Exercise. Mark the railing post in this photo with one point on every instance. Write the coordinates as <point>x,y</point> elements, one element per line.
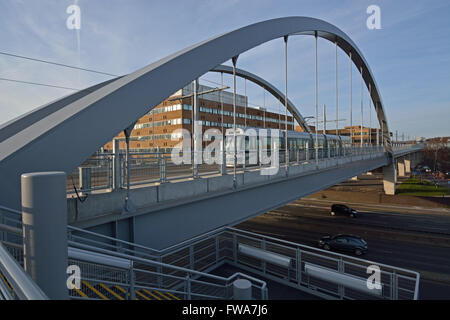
<point>159,271</point>
<point>265,294</point>
<point>116,165</point>
<point>395,285</point>
<point>299,267</point>
<point>223,165</point>
<point>110,172</point>
<point>307,152</point>
<point>84,176</point>
<point>217,249</point>
<point>191,257</point>
<point>44,227</point>
<point>188,287</point>
<point>242,289</point>
<point>235,248</point>
<point>162,168</point>
<point>263,263</point>
<point>158,162</point>
<point>341,270</point>
<point>122,173</point>
<point>132,283</point>
<point>391,296</point>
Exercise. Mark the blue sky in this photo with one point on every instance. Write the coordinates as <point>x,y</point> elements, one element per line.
<point>409,55</point>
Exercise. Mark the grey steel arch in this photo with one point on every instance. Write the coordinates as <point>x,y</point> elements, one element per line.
<point>65,138</point>
<point>270,88</point>
<point>15,125</point>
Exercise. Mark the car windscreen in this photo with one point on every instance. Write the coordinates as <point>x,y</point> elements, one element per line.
<point>358,242</point>
<point>361,241</point>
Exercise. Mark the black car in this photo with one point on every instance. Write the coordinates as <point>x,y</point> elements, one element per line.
<point>343,242</point>
<point>342,209</point>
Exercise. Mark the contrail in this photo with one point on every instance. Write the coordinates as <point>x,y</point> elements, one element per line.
<point>78,48</point>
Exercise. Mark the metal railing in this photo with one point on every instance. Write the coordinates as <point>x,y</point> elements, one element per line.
<point>96,173</point>
<point>15,283</point>
<point>108,171</point>
<point>151,275</point>
<point>396,283</point>
<point>144,270</point>
<point>184,267</point>
<point>213,249</point>
<point>11,232</point>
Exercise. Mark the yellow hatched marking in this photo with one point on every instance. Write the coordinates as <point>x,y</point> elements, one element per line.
<point>111,292</point>
<point>146,298</point>
<point>81,293</point>
<point>162,295</point>
<point>156,297</point>
<point>173,296</point>
<point>6,282</point>
<point>123,290</point>
<point>95,290</point>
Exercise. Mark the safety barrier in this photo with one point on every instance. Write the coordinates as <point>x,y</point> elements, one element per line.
<point>101,171</point>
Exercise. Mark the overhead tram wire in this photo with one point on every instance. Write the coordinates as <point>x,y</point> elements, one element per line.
<point>57,64</point>
<point>67,66</point>
<point>52,63</point>
<point>39,84</point>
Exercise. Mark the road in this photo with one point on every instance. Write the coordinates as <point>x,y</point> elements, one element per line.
<point>412,240</point>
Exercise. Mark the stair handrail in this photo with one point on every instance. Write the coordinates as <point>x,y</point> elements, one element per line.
<point>20,281</point>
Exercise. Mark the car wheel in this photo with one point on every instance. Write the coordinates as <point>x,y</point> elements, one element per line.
<point>332,213</point>
<point>326,247</point>
<point>358,252</point>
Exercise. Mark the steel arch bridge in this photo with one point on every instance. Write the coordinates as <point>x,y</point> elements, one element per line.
<point>38,140</point>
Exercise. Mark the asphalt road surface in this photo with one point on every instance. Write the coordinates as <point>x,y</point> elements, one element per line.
<point>408,239</point>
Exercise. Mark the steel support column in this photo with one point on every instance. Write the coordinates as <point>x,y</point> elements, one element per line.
<point>362,108</point>
<point>44,227</point>
<point>317,103</point>
<point>116,165</point>
<point>401,167</point>
<point>389,179</point>
<point>195,134</point>
<point>128,206</point>
<point>351,99</point>
<point>286,147</point>
<point>337,109</point>
<point>234,61</point>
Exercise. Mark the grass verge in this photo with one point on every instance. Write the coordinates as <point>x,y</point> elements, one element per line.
<point>415,187</point>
